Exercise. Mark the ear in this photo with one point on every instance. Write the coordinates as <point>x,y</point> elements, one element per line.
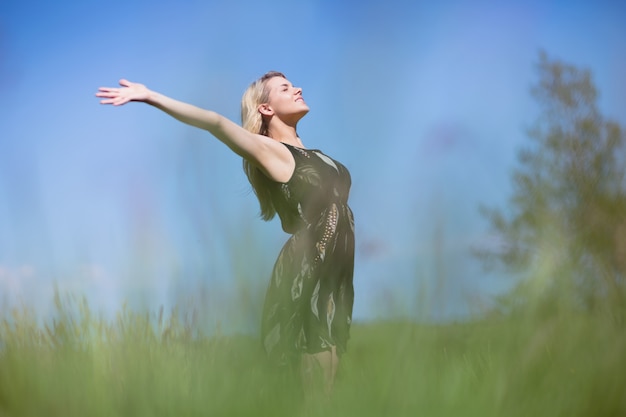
<point>266,110</point>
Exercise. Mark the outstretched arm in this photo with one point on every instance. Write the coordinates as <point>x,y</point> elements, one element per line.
<point>269,155</point>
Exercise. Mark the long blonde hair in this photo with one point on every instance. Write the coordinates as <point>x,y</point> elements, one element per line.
<point>252,120</point>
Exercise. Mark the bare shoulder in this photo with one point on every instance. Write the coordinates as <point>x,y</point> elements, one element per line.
<point>275,159</point>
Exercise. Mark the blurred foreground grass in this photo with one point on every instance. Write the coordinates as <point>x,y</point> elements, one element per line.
<point>79,364</point>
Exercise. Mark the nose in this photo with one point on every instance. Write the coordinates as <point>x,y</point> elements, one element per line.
<point>298,90</point>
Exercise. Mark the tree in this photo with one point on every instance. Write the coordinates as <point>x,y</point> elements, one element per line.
<point>565,226</point>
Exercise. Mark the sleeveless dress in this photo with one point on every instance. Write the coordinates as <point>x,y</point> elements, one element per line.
<point>308,305</point>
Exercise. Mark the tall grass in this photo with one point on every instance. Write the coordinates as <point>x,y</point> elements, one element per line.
<point>157,364</point>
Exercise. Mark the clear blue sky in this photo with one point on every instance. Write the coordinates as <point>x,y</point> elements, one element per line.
<point>425,102</point>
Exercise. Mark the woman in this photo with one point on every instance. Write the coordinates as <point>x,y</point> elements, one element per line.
<point>308,306</point>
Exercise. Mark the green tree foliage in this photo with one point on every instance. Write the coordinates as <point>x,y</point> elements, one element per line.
<point>565,225</point>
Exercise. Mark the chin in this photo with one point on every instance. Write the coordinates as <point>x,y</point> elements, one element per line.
<point>303,112</point>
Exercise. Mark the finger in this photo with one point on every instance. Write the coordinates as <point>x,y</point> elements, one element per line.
<point>107,94</point>
<point>124,82</point>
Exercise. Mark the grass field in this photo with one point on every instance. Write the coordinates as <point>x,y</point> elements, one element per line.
<point>154,364</point>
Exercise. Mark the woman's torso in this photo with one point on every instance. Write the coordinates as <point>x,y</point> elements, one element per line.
<point>317,182</point>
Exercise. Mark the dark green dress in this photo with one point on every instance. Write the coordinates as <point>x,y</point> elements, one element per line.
<point>308,306</point>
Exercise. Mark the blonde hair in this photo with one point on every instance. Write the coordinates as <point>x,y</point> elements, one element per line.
<point>252,120</point>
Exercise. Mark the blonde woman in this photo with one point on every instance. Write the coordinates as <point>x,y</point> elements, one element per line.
<point>308,305</point>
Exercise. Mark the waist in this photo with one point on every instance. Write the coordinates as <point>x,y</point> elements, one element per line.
<point>307,221</point>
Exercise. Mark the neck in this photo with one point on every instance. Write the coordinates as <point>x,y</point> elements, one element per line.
<point>284,133</point>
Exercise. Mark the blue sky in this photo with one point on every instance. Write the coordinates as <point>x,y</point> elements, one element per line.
<point>425,102</point>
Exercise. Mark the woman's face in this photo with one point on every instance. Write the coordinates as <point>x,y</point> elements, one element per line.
<point>285,100</point>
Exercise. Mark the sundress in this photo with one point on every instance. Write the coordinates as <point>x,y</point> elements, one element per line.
<point>308,305</point>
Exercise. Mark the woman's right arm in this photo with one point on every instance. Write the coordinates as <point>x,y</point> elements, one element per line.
<point>269,155</point>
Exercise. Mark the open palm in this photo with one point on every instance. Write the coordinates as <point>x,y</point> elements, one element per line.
<point>122,95</point>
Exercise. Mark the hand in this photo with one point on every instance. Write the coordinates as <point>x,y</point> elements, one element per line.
<point>128,92</point>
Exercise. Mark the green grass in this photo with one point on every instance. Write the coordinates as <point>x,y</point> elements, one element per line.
<point>141,364</point>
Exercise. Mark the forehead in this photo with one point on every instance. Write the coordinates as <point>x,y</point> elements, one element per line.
<point>276,82</point>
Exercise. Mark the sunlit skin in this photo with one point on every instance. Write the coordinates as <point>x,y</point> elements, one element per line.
<point>282,112</point>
